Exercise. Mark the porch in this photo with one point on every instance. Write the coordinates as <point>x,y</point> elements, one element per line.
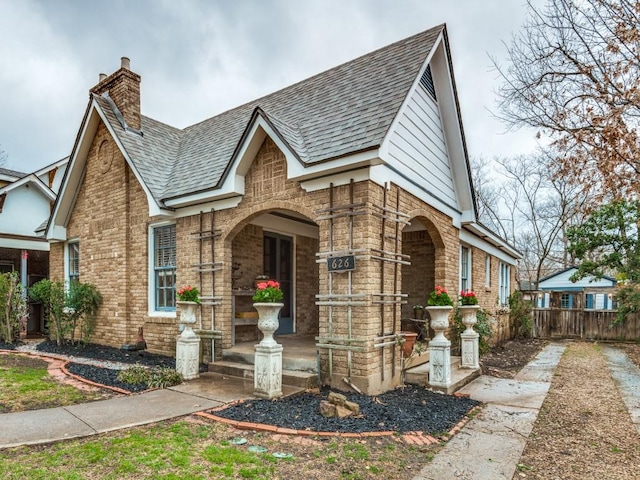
<point>300,360</point>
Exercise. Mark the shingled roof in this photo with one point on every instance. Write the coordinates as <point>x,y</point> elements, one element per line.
<point>343,110</point>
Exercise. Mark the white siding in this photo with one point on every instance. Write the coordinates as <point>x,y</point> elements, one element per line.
<point>561,281</point>
<point>25,208</point>
<point>417,147</point>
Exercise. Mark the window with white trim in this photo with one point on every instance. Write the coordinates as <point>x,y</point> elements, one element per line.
<point>504,283</point>
<point>73,267</point>
<point>164,267</point>
<point>465,268</point>
<point>487,271</point>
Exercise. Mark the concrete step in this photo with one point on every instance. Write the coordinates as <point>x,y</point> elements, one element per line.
<point>304,364</point>
<point>459,376</point>
<point>292,378</point>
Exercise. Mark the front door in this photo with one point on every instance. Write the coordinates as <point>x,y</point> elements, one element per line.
<point>278,264</point>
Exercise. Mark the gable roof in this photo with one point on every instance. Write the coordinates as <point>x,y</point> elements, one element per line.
<point>569,269</point>
<point>341,111</point>
<point>31,179</point>
<point>10,175</point>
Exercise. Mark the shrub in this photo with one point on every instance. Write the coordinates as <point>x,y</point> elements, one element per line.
<point>520,315</point>
<point>157,377</point>
<point>13,307</point>
<point>484,328</point>
<point>68,311</point>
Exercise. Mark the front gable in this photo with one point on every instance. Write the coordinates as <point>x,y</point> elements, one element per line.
<point>425,144</point>
<point>95,117</point>
<point>561,281</point>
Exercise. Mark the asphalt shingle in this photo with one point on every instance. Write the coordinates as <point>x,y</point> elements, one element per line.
<point>346,109</point>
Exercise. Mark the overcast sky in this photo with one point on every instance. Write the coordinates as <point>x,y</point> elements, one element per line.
<point>198,58</point>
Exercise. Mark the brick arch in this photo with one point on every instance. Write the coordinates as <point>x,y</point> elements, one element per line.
<point>432,228</point>
<point>234,228</point>
<point>428,261</point>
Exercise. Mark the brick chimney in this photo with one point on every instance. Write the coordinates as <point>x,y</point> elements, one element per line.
<point>123,88</point>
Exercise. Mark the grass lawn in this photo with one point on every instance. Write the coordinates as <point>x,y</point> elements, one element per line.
<point>194,449</point>
<point>188,448</point>
<point>26,385</point>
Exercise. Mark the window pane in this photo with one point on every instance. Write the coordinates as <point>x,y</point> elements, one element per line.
<point>74,261</point>
<point>165,267</point>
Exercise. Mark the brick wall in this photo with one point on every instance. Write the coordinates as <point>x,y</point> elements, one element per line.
<point>111,220</point>
<point>307,285</point>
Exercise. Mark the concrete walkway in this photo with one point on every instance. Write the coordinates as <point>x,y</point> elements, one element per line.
<point>490,445</point>
<point>626,375</point>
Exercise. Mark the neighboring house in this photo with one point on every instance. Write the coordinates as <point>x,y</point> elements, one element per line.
<point>26,201</point>
<point>367,159</point>
<point>588,293</point>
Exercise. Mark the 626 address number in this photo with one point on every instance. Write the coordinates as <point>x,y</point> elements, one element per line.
<point>341,264</point>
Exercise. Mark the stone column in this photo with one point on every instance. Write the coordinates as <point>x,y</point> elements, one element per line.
<point>439,348</point>
<point>188,343</point>
<point>267,375</point>
<point>469,338</point>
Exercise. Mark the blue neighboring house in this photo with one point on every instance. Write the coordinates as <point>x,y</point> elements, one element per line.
<point>598,293</point>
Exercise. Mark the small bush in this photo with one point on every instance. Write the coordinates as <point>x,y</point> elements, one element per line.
<point>484,328</point>
<point>69,309</point>
<point>135,375</point>
<point>520,315</point>
<point>157,377</point>
<point>13,307</point>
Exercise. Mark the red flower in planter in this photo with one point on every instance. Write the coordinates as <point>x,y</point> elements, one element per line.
<point>268,292</point>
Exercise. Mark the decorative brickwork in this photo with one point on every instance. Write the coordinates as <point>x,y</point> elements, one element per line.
<point>111,221</point>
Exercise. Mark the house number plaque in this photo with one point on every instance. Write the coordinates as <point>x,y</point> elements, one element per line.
<point>341,264</point>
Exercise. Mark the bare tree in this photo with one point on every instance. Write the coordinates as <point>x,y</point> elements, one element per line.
<point>573,74</point>
<point>3,156</point>
<point>489,199</point>
<point>524,202</point>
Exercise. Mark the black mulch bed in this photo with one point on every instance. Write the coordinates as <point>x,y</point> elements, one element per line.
<point>407,409</point>
<point>103,352</point>
<point>7,346</point>
<point>103,376</point>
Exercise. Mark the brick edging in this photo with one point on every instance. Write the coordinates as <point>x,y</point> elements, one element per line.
<point>90,382</point>
<point>63,368</point>
<point>412,438</point>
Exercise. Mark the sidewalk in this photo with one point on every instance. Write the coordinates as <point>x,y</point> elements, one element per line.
<point>490,445</point>
<point>62,423</point>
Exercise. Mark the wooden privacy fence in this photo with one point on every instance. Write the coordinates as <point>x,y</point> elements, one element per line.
<point>584,324</point>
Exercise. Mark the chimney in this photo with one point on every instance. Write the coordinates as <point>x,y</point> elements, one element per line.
<point>123,87</point>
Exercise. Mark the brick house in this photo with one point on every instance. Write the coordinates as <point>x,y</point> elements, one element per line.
<point>365,162</point>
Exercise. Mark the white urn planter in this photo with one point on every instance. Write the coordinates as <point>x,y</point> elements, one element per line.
<point>267,377</point>
<point>188,317</point>
<point>469,338</point>
<point>188,343</point>
<point>439,321</point>
<point>439,347</point>
<point>268,321</point>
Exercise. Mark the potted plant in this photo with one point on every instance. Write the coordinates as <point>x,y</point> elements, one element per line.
<point>418,312</point>
<point>188,300</point>
<point>268,302</point>
<point>469,308</point>
<point>439,306</point>
<point>468,297</point>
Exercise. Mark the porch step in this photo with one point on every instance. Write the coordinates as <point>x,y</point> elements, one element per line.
<point>292,378</point>
<point>297,363</point>
<point>459,376</point>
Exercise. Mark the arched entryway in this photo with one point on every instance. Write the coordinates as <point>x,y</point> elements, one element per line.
<point>279,244</point>
<point>421,240</point>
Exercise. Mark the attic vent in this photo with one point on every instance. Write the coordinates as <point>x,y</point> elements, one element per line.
<point>427,82</point>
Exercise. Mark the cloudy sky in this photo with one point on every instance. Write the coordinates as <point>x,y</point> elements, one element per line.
<point>198,58</point>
